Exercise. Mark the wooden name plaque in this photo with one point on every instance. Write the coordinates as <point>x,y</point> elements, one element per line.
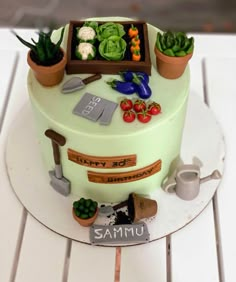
<point>122,177</point>
<point>101,162</point>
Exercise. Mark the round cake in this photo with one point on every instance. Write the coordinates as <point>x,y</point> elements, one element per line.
<point>102,160</point>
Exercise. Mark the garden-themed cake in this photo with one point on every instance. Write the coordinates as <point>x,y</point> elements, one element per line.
<point>112,126</point>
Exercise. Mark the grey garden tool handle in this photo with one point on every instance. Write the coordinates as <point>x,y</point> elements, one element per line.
<point>91,78</point>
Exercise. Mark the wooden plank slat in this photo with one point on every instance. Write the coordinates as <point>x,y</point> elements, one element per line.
<point>11,211</point>
<point>193,250</point>
<point>8,59</point>
<point>43,254</point>
<point>12,219</point>
<point>221,90</point>
<point>91,263</point>
<point>18,94</point>
<point>144,263</point>
<point>33,253</point>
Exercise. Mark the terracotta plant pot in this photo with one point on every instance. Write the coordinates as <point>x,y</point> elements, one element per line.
<point>171,67</point>
<point>48,75</point>
<point>140,207</point>
<point>85,222</point>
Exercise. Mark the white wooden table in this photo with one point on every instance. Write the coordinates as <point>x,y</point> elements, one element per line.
<point>204,250</point>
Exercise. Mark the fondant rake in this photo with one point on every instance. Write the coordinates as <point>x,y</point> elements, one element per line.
<point>58,181</point>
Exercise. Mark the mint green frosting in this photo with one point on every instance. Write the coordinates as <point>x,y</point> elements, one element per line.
<point>158,139</point>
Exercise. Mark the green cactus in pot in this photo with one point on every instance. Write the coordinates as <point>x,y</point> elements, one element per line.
<point>46,58</point>
<point>174,44</point>
<point>44,52</point>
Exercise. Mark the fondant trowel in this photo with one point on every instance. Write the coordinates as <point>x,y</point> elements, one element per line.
<point>76,83</point>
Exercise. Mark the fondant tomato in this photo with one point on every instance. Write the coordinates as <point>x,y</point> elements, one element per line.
<point>139,106</point>
<point>144,116</point>
<point>126,104</point>
<point>154,108</point>
<point>129,116</point>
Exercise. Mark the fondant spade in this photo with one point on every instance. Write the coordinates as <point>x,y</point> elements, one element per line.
<point>76,83</point>
<point>58,181</point>
<point>109,210</point>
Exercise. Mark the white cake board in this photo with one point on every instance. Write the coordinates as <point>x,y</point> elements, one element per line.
<point>202,140</point>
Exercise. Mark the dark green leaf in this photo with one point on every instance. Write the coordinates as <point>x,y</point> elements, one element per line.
<point>77,213</point>
<point>76,204</point>
<point>162,41</point>
<point>180,54</point>
<point>91,214</point>
<point>175,48</point>
<point>158,43</point>
<point>191,46</point>
<point>84,216</point>
<point>169,52</point>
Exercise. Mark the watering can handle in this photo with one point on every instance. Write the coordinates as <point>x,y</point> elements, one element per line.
<point>169,186</point>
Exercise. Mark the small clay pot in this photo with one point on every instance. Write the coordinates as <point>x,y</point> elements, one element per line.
<point>171,67</point>
<point>48,75</point>
<point>85,222</point>
<point>140,207</point>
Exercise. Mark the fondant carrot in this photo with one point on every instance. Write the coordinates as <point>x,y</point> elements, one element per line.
<point>134,46</point>
<point>136,56</point>
<point>135,40</point>
<point>133,31</point>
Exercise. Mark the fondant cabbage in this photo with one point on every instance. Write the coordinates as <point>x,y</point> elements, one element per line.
<point>113,48</point>
<point>108,29</point>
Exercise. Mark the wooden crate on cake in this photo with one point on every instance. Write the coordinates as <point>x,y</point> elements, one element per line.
<point>101,65</point>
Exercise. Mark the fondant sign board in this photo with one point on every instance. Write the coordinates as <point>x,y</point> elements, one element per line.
<point>95,108</point>
<point>101,162</point>
<point>122,177</point>
<point>125,233</point>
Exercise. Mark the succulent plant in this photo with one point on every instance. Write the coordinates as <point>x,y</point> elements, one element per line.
<point>85,208</point>
<point>44,52</point>
<point>174,44</point>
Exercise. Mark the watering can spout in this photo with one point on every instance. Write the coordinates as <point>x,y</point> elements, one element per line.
<point>214,175</point>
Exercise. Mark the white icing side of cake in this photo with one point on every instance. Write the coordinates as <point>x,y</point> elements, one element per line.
<point>160,139</point>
